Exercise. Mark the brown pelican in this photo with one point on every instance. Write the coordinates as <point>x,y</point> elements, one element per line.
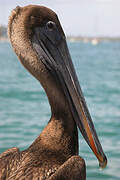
<point>39,42</point>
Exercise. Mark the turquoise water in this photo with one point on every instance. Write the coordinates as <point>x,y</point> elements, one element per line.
<point>24,109</point>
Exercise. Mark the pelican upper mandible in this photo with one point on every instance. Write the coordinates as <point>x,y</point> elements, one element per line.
<point>40,44</point>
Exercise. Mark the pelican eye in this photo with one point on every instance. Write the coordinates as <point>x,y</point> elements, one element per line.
<point>50,25</point>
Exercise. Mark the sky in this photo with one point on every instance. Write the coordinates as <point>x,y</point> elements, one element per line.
<point>78,17</point>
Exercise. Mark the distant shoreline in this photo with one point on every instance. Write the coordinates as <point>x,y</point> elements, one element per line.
<point>93,40</point>
<point>4,39</point>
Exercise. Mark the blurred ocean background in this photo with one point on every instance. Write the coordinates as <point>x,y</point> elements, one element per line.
<point>24,108</point>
